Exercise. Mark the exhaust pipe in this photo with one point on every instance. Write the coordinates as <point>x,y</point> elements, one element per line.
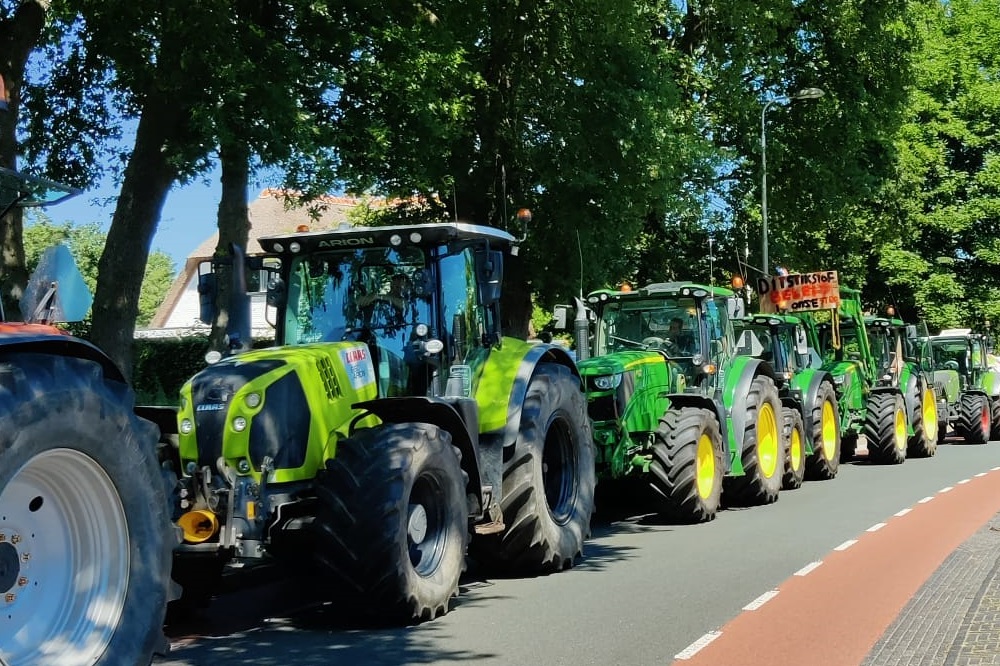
<point>581,330</point>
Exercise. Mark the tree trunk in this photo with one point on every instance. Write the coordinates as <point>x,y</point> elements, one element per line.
<point>234,227</point>
<point>19,34</point>
<point>148,178</point>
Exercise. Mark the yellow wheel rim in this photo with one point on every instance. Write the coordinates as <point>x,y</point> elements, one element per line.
<point>930,415</point>
<point>767,441</point>
<point>795,449</point>
<point>829,431</point>
<point>900,429</point>
<point>705,467</point>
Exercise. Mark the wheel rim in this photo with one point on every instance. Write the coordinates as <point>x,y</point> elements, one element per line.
<point>427,525</point>
<point>795,449</point>
<point>705,476</point>
<point>559,474</point>
<point>900,430</point>
<point>829,426</point>
<point>65,556</point>
<point>984,419</point>
<point>930,415</point>
<point>767,441</point>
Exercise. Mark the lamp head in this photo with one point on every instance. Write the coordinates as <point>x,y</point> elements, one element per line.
<point>808,93</point>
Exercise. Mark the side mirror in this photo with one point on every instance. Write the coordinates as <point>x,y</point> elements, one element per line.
<point>560,318</point>
<point>801,344</point>
<point>490,276</point>
<point>207,289</point>
<point>911,331</point>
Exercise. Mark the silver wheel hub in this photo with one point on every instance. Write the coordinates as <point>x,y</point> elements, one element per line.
<point>64,560</point>
<point>416,524</point>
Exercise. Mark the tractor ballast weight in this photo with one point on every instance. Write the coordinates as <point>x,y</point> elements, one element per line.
<point>85,535</point>
<point>969,386</point>
<point>673,407</point>
<point>389,424</point>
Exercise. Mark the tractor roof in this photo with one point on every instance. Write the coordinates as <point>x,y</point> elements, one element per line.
<point>19,190</point>
<point>423,235</point>
<point>664,289</point>
<point>883,322</point>
<point>762,319</point>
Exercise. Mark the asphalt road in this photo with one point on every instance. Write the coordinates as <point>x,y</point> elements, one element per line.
<point>642,594</point>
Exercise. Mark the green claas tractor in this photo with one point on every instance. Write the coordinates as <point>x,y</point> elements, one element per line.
<point>390,429</point>
<point>971,387</point>
<point>901,354</point>
<point>673,406</point>
<point>867,405</point>
<point>85,535</point>
<point>807,391</point>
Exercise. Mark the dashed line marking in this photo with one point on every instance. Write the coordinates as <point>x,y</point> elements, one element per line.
<point>925,500</point>
<point>993,469</point>
<point>761,600</point>
<point>807,568</point>
<point>698,645</point>
<point>946,489</point>
<point>847,544</point>
<point>876,527</point>
<point>980,474</point>
<point>902,512</point>
<point>963,481</point>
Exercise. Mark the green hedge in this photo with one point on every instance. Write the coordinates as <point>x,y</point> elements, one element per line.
<point>161,366</point>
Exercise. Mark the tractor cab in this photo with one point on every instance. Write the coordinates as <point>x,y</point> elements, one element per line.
<point>778,339</point>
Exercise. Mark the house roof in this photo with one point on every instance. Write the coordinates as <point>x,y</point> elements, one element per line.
<point>269,215</point>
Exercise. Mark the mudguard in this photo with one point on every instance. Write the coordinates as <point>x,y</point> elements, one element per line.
<point>807,383</point>
<point>502,383</point>
<point>990,384</point>
<point>738,378</point>
<point>59,345</point>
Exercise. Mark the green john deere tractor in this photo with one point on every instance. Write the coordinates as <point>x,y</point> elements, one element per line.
<point>902,356</point>
<point>391,425</point>
<point>867,405</point>
<point>808,394</point>
<point>672,404</point>
<point>971,387</point>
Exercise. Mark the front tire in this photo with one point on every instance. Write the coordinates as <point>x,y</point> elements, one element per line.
<point>87,539</point>
<point>763,453</point>
<point>885,428</point>
<point>548,480</point>
<point>923,443</point>
<point>686,470</point>
<point>825,460</point>
<point>974,418</point>
<point>995,418</point>
<point>793,433</point>
<point>392,521</point>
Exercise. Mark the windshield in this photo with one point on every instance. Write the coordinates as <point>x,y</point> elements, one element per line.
<point>669,325</point>
<point>375,295</point>
<point>951,355</point>
<point>850,346</point>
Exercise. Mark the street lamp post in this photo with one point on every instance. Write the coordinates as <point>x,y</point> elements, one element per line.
<point>805,93</point>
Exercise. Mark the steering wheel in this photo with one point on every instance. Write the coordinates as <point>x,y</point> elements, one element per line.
<point>653,341</point>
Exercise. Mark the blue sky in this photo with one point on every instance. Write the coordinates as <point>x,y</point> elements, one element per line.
<point>189,214</point>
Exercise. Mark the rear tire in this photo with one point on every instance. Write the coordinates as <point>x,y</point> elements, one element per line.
<point>392,522</point>
<point>81,490</point>
<point>924,418</point>
<point>973,418</point>
<point>686,470</point>
<point>995,419</point>
<point>885,428</point>
<point>794,436</point>
<point>548,481</point>
<point>825,460</point>
<point>763,453</point>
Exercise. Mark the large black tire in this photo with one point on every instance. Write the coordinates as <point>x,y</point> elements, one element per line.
<point>885,428</point>
<point>686,470</point>
<point>824,462</point>
<point>848,446</point>
<point>793,433</point>
<point>82,502</point>
<point>763,453</point>
<point>973,418</point>
<point>924,419</point>
<point>548,481</point>
<point>392,522</point>
<point>995,419</point>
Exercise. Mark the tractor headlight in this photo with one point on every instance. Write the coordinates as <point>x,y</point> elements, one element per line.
<point>239,424</point>
<point>186,426</point>
<point>839,379</point>
<point>608,382</point>
<point>253,400</point>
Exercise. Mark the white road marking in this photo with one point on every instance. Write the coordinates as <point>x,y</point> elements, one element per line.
<point>761,600</point>
<point>694,648</point>
<point>993,469</point>
<point>925,500</point>
<point>901,513</point>
<point>946,489</point>
<point>981,474</point>
<point>807,568</point>
<point>876,527</point>
<point>963,481</point>
<point>847,544</point>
